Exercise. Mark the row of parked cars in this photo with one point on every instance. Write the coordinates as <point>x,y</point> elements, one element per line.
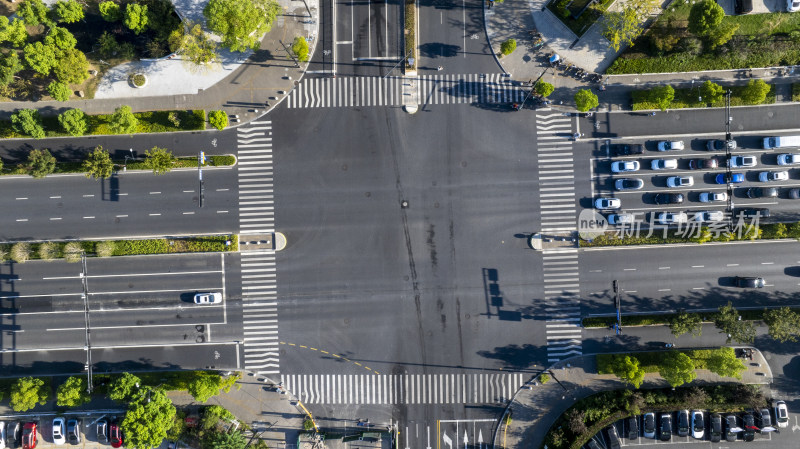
<point>17,434</point>
<point>697,424</point>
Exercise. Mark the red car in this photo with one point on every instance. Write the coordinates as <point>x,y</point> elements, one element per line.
<point>29,435</point>
<point>115,435</point>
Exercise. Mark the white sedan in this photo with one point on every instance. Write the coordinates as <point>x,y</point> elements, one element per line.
<point>789,159</point>
<point>672,217</point>
<point>709,215</point>
<point>742,161</point>
<point>607,203</point>
<point>208,298</point>
<point>680,181</point>
<point>58,431</point>
<point>767,176</point>
<point>668,145</point>
<point>664,164</point>
<point>713,197</point>
<point>624,166</point>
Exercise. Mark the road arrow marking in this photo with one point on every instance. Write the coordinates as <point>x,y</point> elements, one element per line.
<point>480,439</point>
<point>447,440</point>
<point>429,437</point>
<point>466,439</point>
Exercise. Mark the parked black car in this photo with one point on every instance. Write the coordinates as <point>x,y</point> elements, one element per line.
<point>633,428</point>
<point>730,424</point>
<point>716,428</point>
<point>751,213</point>
<point>613,437</point>
<point>750,428</point>
<point>762,192</point>
<point>666,427</point>
<point>621,149</point>
<point>669,198</point>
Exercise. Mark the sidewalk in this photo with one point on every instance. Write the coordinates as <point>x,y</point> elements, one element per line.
<point>241,85</point>
<point>534,410</point>
<point>512,19</point>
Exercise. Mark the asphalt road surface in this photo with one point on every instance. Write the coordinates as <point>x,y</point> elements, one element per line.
<point>127,204</point>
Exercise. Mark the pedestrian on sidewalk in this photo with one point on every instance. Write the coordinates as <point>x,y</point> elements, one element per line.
<point>439,69</point>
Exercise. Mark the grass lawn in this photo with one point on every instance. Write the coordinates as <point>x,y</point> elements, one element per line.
<point>762,40</point>
<point>567,10</point>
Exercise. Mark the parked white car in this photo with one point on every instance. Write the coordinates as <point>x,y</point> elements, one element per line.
<point>624,166</point>
<point>664,164</point>
<point>789,159</point>
<point>669,145</point>
<point>680,181</point>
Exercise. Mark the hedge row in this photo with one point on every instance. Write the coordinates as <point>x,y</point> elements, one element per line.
<point>77,167</point>
<point>766,231</point>
<point>149,122</point>
<point>410,32</point>
<point>666,318</point>
<point>104,248</point>
<point>651,361</point>
<point>688,98</point>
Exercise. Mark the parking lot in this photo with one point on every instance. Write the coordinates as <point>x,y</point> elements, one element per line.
<point>88,425</point>
<point>781,437</point>
<point>699,170</point>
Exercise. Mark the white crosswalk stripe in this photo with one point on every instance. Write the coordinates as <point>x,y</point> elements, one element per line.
<point>257,216</point>
<point>562,303</point>
<point>256,210</point>
<point>387,91</point>
<point>403,388</point>
<point>556,172</point>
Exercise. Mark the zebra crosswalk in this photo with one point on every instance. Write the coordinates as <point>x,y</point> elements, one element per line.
<point>387,91</point>
<point>256,211</point>
<point>556,173</point>
<point>257,216</point>
<point>403,388</point>
<point>562,303</point>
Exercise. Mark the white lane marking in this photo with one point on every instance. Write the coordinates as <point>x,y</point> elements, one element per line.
<point>89,217</point>
<point>732,265</point>
<point>222,212</point>
<point>664,289</point>
<point>222,190</point>
<point>55,197</point>
<point>698,288</point>
<point>121,216</point>
<point>55,218</point>
<point>88,196</point>
<point>188,191</point>
<point>629,269</point>
<point>98,276</point>
<point>767,263</point>
<point>22,219</point>
<point>698,266</point>
<point>188,213</point>
<point>154,215</point>
<point>155,193</point>
<point>663,268</point>
<point>22,198</point>
<point>122,194</point>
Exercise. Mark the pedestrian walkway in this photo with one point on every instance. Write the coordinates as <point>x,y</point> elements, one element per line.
<point>556,172</point>
<point>256,217</point>
<point>562,303</point>
<point>387,91</point>
<point>403,388</point>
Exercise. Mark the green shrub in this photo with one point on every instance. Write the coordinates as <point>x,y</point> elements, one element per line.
<point>48,251</point>
<point>105,248</point>
<point>300,48</point>
<point>508,47</point>
<point>218,119</point>
<point>544,378</point>
<point>21,252</point>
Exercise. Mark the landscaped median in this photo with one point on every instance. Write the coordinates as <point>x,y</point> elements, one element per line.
<point>22,252</point>
<point>702,95</point>
<point>410,33</point>
<point>698,234</point>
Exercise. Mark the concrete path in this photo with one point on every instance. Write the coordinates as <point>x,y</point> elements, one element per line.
<point>535,408</point>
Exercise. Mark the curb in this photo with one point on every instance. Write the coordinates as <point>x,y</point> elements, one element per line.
<point>489,41</point>
<point>678,245</point>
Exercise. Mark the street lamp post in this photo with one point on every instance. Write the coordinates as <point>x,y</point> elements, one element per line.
<point>125,167</point>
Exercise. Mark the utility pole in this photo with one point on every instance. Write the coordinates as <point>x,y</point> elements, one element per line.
<point>88,344</point>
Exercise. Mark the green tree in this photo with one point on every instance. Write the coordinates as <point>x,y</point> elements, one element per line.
<point>662,96</point>
<point>160,160</point>
<point>9,66</point>
<point>300,48</point>
<point>705,16</point>
<point>711,92</point>
<point>125,386</point>
<point>204,385</point>
<point>106,45</point>
<point>73,252</point>
<point>106,248</point>
<point>218,119</point>
<point>33,12</point>
<point>13,31</point>
<point>723,361</point>
<point>110,11</point>
<point>98,164</point>
<point>783,323</point>
<point>123,121</point>
<point>61,39</point>
<point>677,368</point>
<point>508,46</point>
<point>21,252</point>
<point>69,11</point>
<point>40,57</point>
<point>222,440</point>
<point>196,46</point>
<point>684,322</point>
<point>727,321</point>
<point>27,392</point>
<point>72,393</point>
<point>72,67</point>
<point>135,17</point>
<point>48,251</point>
<point>40,163</point>
<point>240,23</point>
<point>627,369</point>
<point>585,99</point>
<point>28,121</point>
<point>755,92</point>
<point>73,121</point>
<point>543,89</point>
<point>59,91</point>
<point>149,416</point>
<point>623,27</point>
<point>722,34</point>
